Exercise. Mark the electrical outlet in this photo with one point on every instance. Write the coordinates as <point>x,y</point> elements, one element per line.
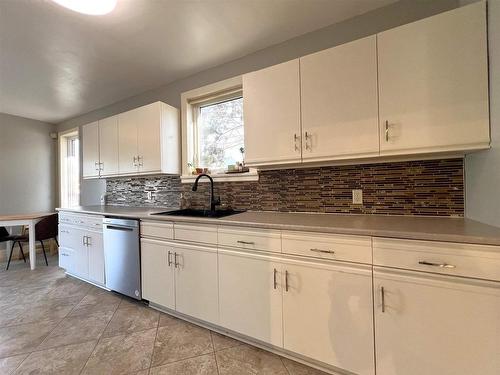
<point>357,196</point>
<point>150,195</point>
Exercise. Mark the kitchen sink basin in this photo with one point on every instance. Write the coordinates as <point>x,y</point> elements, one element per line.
<point>199,213</point>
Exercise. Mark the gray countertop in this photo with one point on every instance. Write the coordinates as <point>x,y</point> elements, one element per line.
<point>407,227</point>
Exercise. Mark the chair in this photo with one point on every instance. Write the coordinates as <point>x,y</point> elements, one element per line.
<point>45,229</point>
<point>6,236</point>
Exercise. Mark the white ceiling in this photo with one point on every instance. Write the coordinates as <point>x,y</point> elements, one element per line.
<point>56,64</point>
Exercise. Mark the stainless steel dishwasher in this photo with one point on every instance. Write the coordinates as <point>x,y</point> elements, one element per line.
<point>122,256</point>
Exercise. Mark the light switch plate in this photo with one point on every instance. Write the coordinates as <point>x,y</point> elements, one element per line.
<point>357,196</point>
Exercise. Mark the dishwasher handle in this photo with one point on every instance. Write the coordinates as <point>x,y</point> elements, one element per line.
<point>114,227</point>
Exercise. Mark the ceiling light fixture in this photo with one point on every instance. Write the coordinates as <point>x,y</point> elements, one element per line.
<point>92,7</point>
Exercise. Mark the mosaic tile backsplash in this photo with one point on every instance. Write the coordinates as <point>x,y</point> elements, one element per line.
<point>430,187</point>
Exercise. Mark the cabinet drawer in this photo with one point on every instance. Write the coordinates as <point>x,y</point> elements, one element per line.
<point>196,233</point>
<point>458,259</point>
<point>157,229</point>
<point>93,222</point>
<point>66,259</point>
<point>328,246</point>
<point>251,239</point>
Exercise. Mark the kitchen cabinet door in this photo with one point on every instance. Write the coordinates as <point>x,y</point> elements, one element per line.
<point>196,292</point>
<point>108,146</point>
<point>433,84</point>
<point>95,250</point>
<point>271,101</point>
<point>328,314</point>
<point>67,259</point>
<point>90,150</point>
<point>436,325</point>
<point>81,255</point>
<point>339,102</point>
<point>251,305</point>
<point>127,142</point>
<point>148,137</point>
<point>157,273</point>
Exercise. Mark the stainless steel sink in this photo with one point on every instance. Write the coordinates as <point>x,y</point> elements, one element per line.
<point>200,213</point>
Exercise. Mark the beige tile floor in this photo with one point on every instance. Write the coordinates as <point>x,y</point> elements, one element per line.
<point>54,324</point>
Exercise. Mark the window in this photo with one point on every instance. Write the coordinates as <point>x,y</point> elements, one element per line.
<point>219,134</point>
<point>69,169</point>
<point>213,131</point>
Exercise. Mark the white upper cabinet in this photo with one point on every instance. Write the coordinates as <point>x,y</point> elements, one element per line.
<point>90,149</point>
<point>144,140</point>
<point>339,102</point>
<point>433,84</point>
<point>271,100</point>
<point>149,140</point>
<point>108,146</point>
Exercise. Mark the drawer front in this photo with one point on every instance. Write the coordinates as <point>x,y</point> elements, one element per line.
<point>157,230</point>
<point>328,246</point>
<point>457,259</point>
<point>93,222</point>
<point>196,233</point>
<point>251,239</point>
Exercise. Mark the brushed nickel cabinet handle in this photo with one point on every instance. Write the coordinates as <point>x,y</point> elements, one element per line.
<point>135,161</point>
<point>169,260</point>
<point>308,137</point>
<point>382,296</point>
<point>440,265</point>
<point>286,281</point>
<point>274,278</point>
<point>246,242</point>
<point>386,130</point>
<point>322,251</point>
<point>295,139</point>
<point>140,161</point>
<point>176,265</point>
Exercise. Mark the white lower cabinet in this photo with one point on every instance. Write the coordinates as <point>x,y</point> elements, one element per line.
<point>435,325</point>
<point>250,295</point>
<point>158,285</point>
<point>95,251</point>
<point>196,281</point>
<point>328,314</point>
<point>81,247</point>
<point>181,277</point>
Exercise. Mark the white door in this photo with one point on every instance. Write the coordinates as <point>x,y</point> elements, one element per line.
<point>250,300</point>
<point>95,250</point>
<point>108,145</point>
<point>66,259</point>
<point>271,109</point>
<point>90,149</point>
<point>157,273</point>
<point>436,325</point>
<point>148,137</point>
<point>196,281</point>
<point>81,258</point>
<point>127,142</point>
<point>328,314</point>
<point>339,102</point>
<point>433,82</point>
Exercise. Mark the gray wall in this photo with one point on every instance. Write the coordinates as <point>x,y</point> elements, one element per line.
<point>483,169</point>
<point>27,166</point>
<point>396,14</point>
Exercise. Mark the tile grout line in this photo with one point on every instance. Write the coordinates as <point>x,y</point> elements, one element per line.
<point>215,353</point>
<point>57,325</point>
<point>99,339</point>
<point>154,342</point>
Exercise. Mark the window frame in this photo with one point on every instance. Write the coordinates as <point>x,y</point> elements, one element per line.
<point>191,101</point>
<point>63,149</point>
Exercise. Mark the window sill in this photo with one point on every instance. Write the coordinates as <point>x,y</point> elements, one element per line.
<point>223,177</point>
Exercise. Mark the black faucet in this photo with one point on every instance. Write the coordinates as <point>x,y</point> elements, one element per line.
<point>214,201</point>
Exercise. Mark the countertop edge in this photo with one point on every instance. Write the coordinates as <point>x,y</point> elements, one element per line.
<point>441,237</point>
